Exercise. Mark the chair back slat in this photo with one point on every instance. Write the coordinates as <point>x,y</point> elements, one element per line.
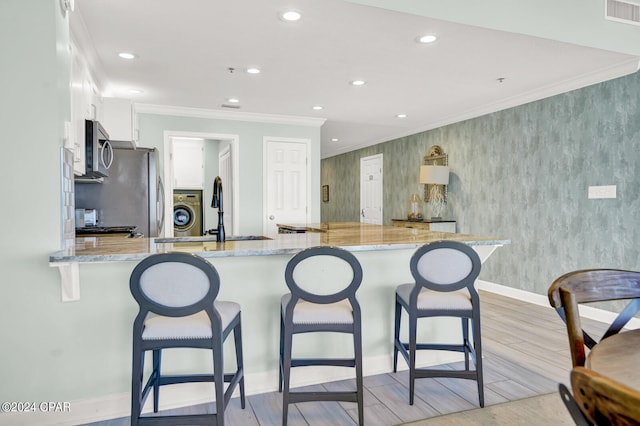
<point>593,285</point>
<point>596,285</point>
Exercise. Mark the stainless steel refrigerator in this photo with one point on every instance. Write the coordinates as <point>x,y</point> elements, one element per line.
<point>132,194</point>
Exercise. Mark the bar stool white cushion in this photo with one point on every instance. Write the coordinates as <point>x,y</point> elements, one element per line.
<point>196,326</point>
<point>459,300</point>
<point>319,313</point>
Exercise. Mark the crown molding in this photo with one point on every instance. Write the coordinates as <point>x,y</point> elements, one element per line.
<point>179,111</point>
<point>614,71</point>
<point>81,40</point>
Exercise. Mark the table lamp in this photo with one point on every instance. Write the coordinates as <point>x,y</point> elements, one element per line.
<point>437,177</point>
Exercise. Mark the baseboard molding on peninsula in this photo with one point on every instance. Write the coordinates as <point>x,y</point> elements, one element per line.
<point>542,300</point>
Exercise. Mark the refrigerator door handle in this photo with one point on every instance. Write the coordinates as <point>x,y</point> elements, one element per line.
<point>160,208</point>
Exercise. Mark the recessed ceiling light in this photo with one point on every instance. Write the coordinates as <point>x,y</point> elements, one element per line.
<point>358,83</point>
<point>291,15</point>
<point>127,55</point>
<point>401,115</point>
<point>253,70</point>
<point>429,38</point>
<point>317,107</point>
<point>334,139</point>
<point>233,100</point>
<point>135,91</point>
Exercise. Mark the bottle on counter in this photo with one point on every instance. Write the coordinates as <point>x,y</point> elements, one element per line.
<point>415,208</point>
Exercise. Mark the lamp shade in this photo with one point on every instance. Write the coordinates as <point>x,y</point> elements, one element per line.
<point>434,175</point>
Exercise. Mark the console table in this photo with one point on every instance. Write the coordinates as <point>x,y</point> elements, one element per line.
<point>438,225</point>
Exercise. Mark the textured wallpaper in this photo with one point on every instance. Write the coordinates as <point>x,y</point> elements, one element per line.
<point>523,174</point>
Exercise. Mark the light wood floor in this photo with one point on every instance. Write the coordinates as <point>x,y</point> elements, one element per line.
<point>526,353</point>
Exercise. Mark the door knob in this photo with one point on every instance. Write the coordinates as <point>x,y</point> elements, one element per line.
<point>272,217</point>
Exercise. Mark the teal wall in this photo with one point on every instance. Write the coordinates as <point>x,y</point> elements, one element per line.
<point>37,332</point>
<point>153,126</point>
<point>523,174</point>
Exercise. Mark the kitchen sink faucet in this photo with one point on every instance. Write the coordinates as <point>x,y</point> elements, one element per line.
<point>216,202</point>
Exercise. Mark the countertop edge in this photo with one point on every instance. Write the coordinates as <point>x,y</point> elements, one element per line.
<point>60,258</point>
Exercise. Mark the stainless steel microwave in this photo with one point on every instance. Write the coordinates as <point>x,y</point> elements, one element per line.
<point>98,150</point>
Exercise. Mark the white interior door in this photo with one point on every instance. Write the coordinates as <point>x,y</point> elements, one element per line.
<point>371,189</point>
<point>286,191</point>
<point>226,174</point>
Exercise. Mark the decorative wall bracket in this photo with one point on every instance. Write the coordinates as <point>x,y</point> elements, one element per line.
<point>435,157</point>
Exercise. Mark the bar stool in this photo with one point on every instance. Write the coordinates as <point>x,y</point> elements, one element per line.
<point>176,293</point>
<point>305,310</point>
<point>444,274</point>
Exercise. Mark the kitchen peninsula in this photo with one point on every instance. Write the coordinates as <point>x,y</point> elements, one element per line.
<point>352,236</point>
<point>252,274</point>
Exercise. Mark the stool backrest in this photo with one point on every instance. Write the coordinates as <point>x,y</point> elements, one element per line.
<point>174,284</point>
<point>345,291</point>
<point>445,266</point>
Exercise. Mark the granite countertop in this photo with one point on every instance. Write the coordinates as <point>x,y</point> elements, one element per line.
<point>352,236</point>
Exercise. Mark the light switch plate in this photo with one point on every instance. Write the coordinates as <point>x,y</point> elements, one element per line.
<point>605,191</point>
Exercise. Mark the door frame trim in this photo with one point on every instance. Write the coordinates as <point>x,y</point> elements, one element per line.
<point>265,142</point>
<point>362,159</point>
<point>234,140</point>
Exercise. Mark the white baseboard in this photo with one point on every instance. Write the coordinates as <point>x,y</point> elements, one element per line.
<point>116,406</point>
<point>542,300</point>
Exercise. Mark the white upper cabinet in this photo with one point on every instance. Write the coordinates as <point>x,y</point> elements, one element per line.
<point>84,104</point>
<point>118,119</point>
<point>188,164</point>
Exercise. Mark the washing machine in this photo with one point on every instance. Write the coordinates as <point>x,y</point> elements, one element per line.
<point>187,213</point>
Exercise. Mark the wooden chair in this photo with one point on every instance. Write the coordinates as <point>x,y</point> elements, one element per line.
<point>600,400</point>
<point>593,285</point>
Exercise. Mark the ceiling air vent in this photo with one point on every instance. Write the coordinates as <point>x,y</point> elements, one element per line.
<point>230,106</point>
<point>622,11</point>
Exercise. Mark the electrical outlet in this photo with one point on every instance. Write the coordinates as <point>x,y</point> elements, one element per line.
<point>605,191</point>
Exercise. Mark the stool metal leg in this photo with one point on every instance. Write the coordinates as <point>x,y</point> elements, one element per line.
<point>465,341</point>
<point>413,323</point>
<point>286,366</point>
<point>136,384</point>
<point>357,349</point>
<point>280,360</point>
<point>477,344</point>
<point>237,336</point>
<point>157,359</point>
<point>396,335</point>
<point>218,376</point>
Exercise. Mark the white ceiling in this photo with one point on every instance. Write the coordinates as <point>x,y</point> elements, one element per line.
<point>185,48</point>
